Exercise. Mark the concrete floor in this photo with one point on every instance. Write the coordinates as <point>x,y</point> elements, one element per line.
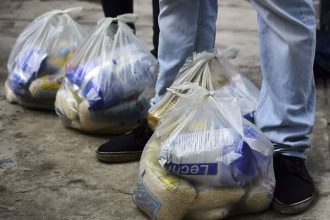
<point>50,172</point>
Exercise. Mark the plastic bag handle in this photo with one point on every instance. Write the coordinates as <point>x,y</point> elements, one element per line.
<point>223,56</point>
<point>67,11</point>
<point>125,18</point>
<point>175,89</point>
<point>205,55</point>
<point>189,86</point>
<point>229,53</point>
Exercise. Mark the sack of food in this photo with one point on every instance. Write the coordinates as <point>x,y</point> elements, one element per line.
<point>109,80</point>
<point>37,59</point>
<point>162,195</point>
<point>206,140</point>
<point>212,71</point>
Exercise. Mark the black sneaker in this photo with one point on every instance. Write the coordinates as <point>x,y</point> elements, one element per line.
<point>294,191</point>
<point>125,148</point>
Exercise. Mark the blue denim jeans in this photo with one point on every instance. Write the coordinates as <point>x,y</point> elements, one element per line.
<point>286,108</point>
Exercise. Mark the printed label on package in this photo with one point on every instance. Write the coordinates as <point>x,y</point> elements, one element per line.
<point>145,199</point>
<point>193,168</point>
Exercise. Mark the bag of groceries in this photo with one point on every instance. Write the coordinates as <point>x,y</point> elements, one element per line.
<point>109,80</point>
<point>37,59</point>
<point>205,139</point>
<point>205,160</point>
<point>212,71</point>
<point>161,194</point>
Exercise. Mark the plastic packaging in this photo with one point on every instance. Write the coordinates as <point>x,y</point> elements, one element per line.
<point>212,71</point>
<point>37,59</point>
<point>109,81</point>
<point>205,139</point>
<point>162,195</point>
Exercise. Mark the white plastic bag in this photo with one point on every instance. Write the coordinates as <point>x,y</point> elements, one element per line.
<point>163,195</point>
<point>205,160</point>
<point>205,139</point>
<point>212,71</point>
<point>37,59</point>
<point>109,81</point>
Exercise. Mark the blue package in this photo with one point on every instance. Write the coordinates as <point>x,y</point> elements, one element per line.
<point>27,67</point>
<point>125,112</point>
<point>245,167</point>
<point>230,165</point>
<point>100,98</point>
<point>96,90</point>
<point>251,163</point>
<point>76,75</point>
<point>104,86</point>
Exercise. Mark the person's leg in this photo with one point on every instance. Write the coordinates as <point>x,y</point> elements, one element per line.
<point>323,49</point>
<point>185,26</point>
<point>322,56</point>
<point>322,53</point>
<point>325,15</point>
<point>155,37</point>
<point>286,108</point>
<point>113,8</point>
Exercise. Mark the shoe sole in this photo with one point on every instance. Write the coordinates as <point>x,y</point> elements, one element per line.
<point>119,157</point>
<point>293,208</point>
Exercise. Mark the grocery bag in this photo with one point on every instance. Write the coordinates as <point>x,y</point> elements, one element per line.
<point>206,140</point>
<point>37,59</point>
<point>212,70</point>
<point>109,81</point>
<point>160,194</point>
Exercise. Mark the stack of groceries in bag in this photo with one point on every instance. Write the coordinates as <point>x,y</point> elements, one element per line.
<point>39,55</point>
<point>109,81</point>
<point>205,160</point>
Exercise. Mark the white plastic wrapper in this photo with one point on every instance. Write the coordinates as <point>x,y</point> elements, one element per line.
<point>212,71</point>
<point>37,59</point>
<point>109,81</point>
<point>206,140</point>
